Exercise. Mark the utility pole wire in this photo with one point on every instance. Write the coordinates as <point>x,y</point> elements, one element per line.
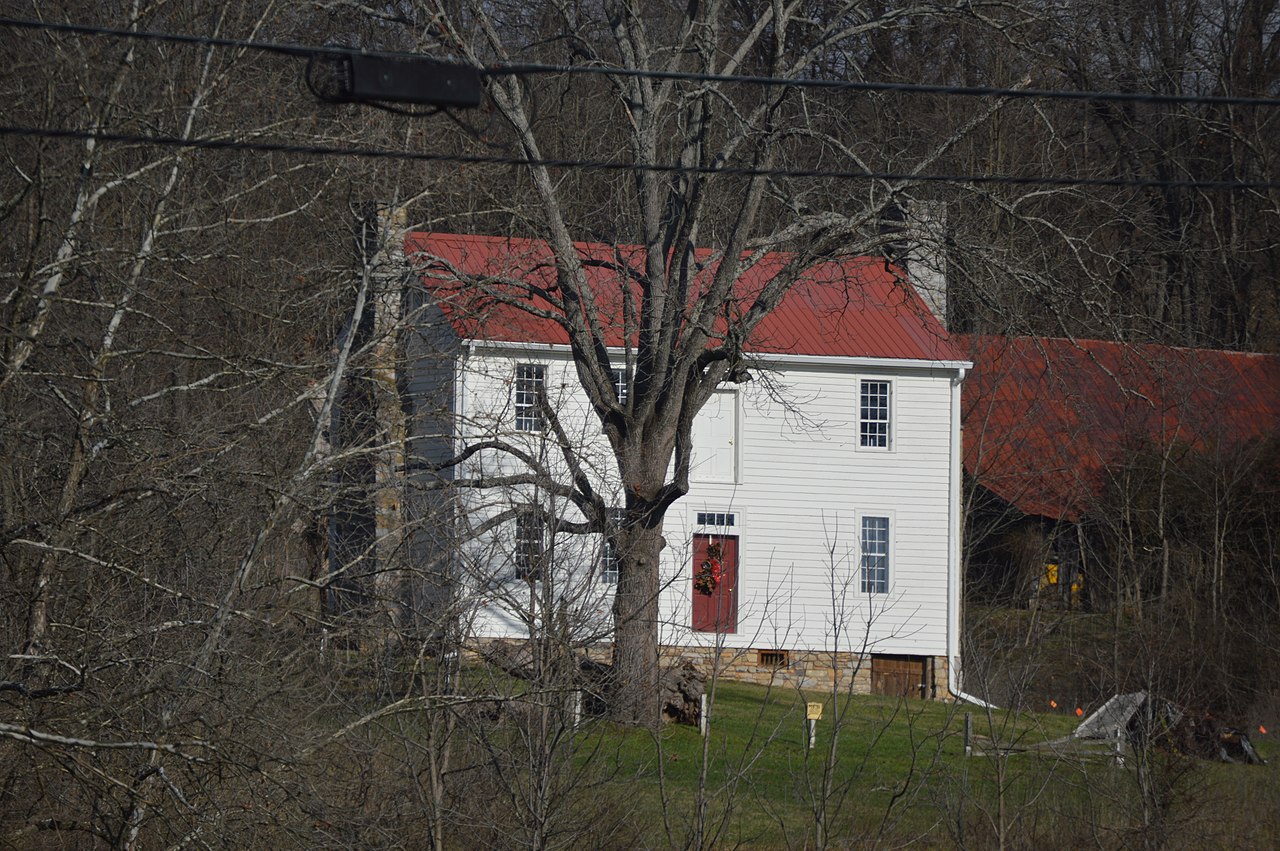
<point>881,86</point>
<point>606,165</point>
<point>530,69</point>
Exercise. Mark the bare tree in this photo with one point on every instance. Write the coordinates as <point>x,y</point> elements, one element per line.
<point>1166,262</point>
<point>164,399</point>
<point>685,317</point>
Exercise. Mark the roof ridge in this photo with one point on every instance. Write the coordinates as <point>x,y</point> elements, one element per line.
<point>856,306</point>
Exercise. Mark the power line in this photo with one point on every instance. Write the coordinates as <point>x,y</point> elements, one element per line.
<point>878,86</point>
<point>529,69</point>
<point>370,78</point>
<point>606,165</point>
<point>204,41</point>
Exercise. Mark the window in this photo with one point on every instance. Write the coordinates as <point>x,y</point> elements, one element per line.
<point>620,387</point>
<point>873,417</point>
<point>773,658</point>
<point>530,387</point>
<point>608,550</point>
<point>875,555</point>
<point>715,440</point>
<point>715,518</point>
<point>529,546</point>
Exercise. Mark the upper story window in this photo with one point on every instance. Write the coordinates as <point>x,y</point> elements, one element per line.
<point>715,440</point>
<point>875,555</point>
<point>530,387</point>
<point>609,549</point>
<point>873,414</point>
<point>530,546</point>
<point>620,387</point>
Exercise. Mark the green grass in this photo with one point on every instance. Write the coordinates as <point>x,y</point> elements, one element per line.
<point>899,775</point>
<point>894,765</point>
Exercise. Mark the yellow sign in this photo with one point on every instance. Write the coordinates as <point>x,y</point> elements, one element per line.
<point>814,712</point>
<point>1050,576</point>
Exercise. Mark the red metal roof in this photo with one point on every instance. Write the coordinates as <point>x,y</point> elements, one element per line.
<point>854,307</point>
<point>1044,417</point>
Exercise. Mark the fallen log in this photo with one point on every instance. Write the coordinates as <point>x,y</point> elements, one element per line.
<point>680,687</point>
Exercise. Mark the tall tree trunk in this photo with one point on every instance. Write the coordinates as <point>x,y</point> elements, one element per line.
<point>635,609</point>
<point>386,269</point>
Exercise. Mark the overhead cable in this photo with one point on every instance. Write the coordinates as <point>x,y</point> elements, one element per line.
<point>881,86</point>
<point>609,165</point>
<point>530,69</point>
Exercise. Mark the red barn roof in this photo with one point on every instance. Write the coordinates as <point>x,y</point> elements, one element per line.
<point>1044,417</point>
<point>853,307</point>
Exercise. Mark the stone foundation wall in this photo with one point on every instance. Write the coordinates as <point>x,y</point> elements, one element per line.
<point>813,670</point>
<point>816,670</point>
<point>796,669</point>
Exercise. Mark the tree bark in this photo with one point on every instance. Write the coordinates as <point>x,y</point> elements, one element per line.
<point>635,610</point>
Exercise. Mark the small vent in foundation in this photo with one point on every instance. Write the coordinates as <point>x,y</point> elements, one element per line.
<point>773,658</point>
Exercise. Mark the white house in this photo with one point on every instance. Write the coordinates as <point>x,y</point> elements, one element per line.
<point>830,483</point>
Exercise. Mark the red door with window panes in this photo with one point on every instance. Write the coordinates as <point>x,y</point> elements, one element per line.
<point>718,610</point>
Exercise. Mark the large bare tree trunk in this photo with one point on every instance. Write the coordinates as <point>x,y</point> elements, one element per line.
<point>635,609</point>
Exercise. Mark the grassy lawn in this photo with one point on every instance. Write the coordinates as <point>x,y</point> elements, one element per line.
<point>896,766</point>
<point>899,774</point>
<point>884,773</point>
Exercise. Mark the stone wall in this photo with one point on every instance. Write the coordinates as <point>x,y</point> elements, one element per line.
<point>811,670</point>
<point>819,671</point>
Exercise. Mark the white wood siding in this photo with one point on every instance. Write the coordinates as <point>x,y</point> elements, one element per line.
<point>802,484</point>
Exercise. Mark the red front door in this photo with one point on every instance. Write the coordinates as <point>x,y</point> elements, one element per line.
<point>718,610</point>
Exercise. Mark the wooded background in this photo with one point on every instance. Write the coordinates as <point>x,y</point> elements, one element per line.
<point>175,322</point>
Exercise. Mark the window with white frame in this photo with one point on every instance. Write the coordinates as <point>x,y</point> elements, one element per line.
<point>715,440</point>
<point>530,544</point>
<point>609,548</point>
<point>620,387</point>
<point>716,518</point>
<point>530,387</point>
<point>875,555</point>
<point>873,414</point>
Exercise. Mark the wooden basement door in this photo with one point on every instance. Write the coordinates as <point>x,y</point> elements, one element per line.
<point>898,676</point>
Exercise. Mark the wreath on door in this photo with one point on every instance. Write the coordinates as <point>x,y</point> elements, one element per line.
<point>708,577</point>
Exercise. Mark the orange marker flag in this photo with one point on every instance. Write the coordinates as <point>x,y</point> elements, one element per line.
<point>1079,712</point>
<point>1053,704</point>
<point>1262,729</point>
